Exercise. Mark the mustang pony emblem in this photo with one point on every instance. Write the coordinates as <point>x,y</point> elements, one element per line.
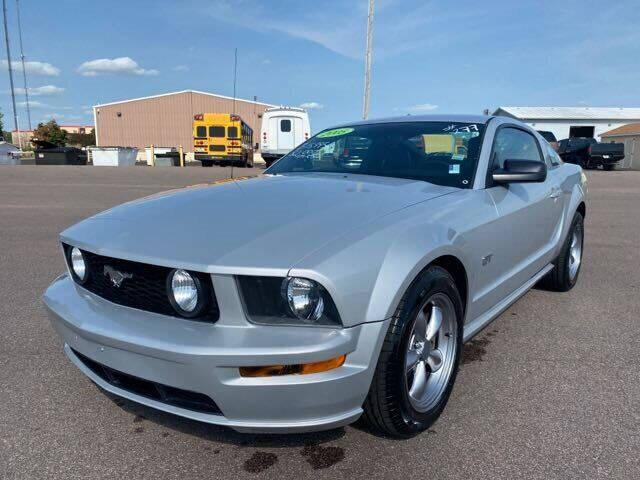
<point>115,276</point>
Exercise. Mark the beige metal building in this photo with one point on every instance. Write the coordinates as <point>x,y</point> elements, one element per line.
<point>166,120</point>
<point>630,136</point>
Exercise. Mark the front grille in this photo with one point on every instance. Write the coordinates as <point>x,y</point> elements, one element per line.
<point>177,397</point>
<point>144,288</point>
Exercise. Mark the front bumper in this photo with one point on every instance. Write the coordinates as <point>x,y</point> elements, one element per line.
<point>204,358</point>
<point>218,158</point>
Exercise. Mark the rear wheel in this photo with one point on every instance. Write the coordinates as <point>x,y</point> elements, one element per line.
<point>567,265</point>
<point>207,163</point>
<point>609,167</point>
<point>419,360</point>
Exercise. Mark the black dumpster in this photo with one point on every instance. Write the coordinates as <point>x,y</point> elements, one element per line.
<point>168,159</point>
<point>48,153</point>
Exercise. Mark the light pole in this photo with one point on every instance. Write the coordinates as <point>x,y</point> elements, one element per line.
<point>24,70</point>
<point>6,39</point>
<point>367,62</point>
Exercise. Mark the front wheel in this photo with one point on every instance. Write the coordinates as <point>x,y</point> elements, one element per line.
<point>419,360</point>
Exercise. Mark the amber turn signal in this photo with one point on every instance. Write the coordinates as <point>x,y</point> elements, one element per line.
<point>301,369</point>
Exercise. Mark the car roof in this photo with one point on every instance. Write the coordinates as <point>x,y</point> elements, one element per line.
<point>422,118</point>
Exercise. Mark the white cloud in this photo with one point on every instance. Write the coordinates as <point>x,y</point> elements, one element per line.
<point>312,105</point>
<point>397,29</point>
<point>40,91</point>
<point>180,68</point>
<point>115,66</point>
<point>34,68</point>
<point>422,107</point>
<point>34,104</point>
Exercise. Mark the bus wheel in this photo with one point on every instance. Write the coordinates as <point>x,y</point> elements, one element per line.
<point>207,163</point>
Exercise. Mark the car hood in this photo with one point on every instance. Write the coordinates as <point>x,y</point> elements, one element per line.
<point>257,224</point>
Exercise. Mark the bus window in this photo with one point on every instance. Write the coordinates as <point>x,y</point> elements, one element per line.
<point>216,132</point>
<point>201,132</point>
<point>285,125</point>
<point>233,132</point>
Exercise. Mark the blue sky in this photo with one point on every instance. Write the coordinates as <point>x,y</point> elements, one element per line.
<point>429,56</point>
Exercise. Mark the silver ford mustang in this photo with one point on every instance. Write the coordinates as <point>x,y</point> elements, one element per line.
<point>341,283</point>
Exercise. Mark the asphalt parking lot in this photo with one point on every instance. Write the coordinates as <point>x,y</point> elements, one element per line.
<point>550,390</point>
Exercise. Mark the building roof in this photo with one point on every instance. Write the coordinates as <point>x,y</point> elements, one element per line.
<point>178,93</point>
<point>572,113</point>
<point>454,118</point>
<point>630,129</point>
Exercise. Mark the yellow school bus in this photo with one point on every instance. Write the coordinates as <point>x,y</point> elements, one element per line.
<point>222,138</point>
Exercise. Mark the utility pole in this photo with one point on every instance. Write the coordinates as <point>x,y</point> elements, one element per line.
<point>367,62</point>
<point>6,39</point>
<point>24,70</point>
<point>235,78</point>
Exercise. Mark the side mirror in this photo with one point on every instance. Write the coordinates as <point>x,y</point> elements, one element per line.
<point>518,171</point>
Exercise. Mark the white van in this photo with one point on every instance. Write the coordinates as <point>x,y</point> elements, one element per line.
<point>283,129</point>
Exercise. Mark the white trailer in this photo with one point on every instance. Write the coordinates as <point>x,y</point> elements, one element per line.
<point>283,129</point>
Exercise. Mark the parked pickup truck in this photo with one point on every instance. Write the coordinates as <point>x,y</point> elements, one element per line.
<point>588,153</point>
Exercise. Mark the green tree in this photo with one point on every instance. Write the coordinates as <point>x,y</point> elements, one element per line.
<point>50,132</point>
<point>81,139</point>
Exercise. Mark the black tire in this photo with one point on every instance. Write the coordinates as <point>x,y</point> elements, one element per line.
<point>559,279</point>
<point>268,162</point>
<point>609,167</point>
<point>207,163</point>
<point>387,408</point>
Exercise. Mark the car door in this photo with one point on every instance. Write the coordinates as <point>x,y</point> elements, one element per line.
<point>528,214</point>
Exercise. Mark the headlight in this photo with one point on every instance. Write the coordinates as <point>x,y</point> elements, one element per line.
<point>186,293</point>
<point>287,301</point>
<point>304,298</point>
<point>78,265</point>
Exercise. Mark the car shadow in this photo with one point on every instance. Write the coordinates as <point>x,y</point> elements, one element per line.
<point>221,434</point>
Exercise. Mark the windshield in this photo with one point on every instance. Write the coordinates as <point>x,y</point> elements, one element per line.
<point>441,153</point>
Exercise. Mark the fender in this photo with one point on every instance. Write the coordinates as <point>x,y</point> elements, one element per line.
<point>390,252</point>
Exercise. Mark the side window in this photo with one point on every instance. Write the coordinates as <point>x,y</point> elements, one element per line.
<point>285,125</point>
<point>514,144</point>
<point>555,158</point>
